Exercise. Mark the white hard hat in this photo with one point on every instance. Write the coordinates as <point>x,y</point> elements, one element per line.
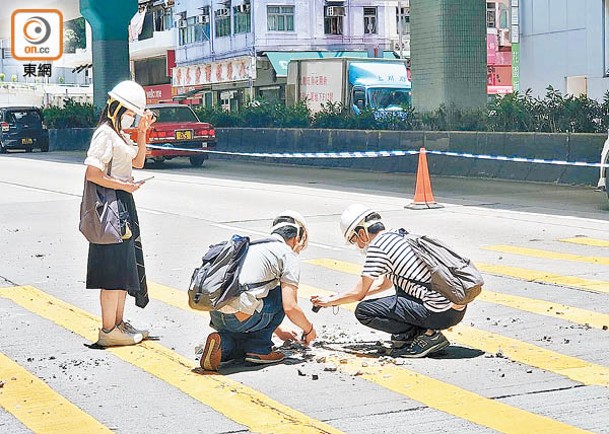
<point>352,217</point>
<point>131,95</point>
<point>299,222</point>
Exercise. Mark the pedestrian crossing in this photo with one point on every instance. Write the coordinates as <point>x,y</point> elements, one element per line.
<point>27,397</point>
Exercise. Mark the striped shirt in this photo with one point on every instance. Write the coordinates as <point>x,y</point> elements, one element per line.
<point>390,255</point>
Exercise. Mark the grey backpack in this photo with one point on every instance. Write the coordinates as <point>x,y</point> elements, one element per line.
<point>452,275</point>
<point>216,282</point>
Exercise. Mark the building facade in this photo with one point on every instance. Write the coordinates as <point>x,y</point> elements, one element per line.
<point>565,44</point>
<point>499,47</point>
<point>233,51</point>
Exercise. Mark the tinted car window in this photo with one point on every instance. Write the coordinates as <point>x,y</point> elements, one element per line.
<point>175,114</point>
<point>31,117</point>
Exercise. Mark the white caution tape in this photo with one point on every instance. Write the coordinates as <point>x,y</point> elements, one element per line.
<point>378,154</point>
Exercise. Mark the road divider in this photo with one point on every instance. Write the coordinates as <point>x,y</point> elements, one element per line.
<point>380,154</point>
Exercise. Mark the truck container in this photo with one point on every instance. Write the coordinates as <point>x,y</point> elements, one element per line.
<point>377,84</point>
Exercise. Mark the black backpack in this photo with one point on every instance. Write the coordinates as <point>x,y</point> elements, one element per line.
<point>216,282</point>
<point>452,275</point>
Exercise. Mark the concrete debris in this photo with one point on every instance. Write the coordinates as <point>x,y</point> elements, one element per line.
<point>358,373</point>
<point>321,359</point>
<point>315,377</point>
<point>2,383</point>
<point>364,364</point>
<point>301,374</point>
<point>330,367</point>
<point>605,328</point>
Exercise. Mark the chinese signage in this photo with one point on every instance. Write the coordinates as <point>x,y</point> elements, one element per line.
<point>238,69</point>
<point>37,34</point>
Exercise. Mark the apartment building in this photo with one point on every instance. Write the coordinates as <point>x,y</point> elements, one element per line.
<point>229,52</point>
<point>499,47</point>
<point>564,44</point>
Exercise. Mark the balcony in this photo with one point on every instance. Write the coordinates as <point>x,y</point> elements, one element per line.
<point>157,45</point>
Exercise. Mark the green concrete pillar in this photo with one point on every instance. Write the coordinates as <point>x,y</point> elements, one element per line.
<point>448,53</point>
<point>109,20</point>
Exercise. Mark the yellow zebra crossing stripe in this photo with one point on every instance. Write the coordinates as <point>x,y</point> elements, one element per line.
<point>547,254</point>
<point>39,407</point>
<point>240,403</point>
<point>586,241</point>
<point>590,285</point>
<point>454,400</point>
<point>172,297</point>
<point>433,393</point>
<point>571,367</point>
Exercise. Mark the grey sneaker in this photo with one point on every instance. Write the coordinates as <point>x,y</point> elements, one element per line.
<point>126,327</point>
<point>401,340</point>
<point>117,338</point>
<point>423,345</point>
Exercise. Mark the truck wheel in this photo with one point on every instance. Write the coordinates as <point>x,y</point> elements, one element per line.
<point>197,161</point>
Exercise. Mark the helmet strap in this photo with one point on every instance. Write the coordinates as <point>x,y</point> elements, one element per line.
<point>113,116</point>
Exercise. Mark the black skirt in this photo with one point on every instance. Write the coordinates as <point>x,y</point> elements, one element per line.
<point>120,266</point>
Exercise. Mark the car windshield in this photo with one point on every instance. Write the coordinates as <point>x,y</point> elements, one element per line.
<point>389,99</point>
<point>30,117</point>
<point>174,114</point>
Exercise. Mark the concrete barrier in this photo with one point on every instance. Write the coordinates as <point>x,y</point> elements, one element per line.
<point>570,147</point>
<point>72,139</point>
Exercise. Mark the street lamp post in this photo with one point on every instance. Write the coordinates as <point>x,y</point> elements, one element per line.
<point>400,29</point>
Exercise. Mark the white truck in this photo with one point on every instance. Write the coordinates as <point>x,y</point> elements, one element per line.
<point>377,84</point>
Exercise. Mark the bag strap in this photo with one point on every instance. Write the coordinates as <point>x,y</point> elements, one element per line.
<point>403,233</point>
<point>249,286</point>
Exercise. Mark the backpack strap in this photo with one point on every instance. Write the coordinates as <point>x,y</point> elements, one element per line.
<point>249,286</point>
<point>403,233</point>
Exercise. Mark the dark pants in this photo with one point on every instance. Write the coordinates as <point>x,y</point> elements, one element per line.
<point>254,335</point>
<point>404,314</point>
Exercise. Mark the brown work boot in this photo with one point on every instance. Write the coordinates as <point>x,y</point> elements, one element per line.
<point>265,359</point>
<point>212,354</point>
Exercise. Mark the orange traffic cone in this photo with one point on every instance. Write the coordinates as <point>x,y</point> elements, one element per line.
<point>423,196</point>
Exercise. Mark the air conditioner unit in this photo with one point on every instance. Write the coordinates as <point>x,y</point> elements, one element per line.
<point>335,11</point>
<point>504,38</point>
<point>222,12</point>
<point>203,19</point>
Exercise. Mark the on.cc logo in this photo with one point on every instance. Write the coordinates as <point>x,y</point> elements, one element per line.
<point>37,34</point>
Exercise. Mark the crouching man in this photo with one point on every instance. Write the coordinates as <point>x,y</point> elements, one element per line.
<point>271,271</point>
<point>415,314</point>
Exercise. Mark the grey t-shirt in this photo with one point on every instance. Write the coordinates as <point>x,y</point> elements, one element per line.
<point>272,261</point>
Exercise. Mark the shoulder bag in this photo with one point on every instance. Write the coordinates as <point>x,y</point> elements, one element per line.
<point>99,213</point>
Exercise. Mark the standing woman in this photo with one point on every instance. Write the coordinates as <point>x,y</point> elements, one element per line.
<point>118,269</point>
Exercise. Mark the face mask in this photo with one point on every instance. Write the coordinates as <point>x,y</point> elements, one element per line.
<point>127,121</point>
<point>363,250</point>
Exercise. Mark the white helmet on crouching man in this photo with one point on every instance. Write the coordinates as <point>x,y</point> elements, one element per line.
<point>292,225</point>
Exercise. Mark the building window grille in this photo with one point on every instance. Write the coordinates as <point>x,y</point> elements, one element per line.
<point>403,20</point>
<point>280,18</point>
<point>333,20</point>
<point>369,20</point>
<point>491,15</point>
<point>222,23</point>
<point>242,19</point>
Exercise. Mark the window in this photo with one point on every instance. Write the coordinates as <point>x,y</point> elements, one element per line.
<point>192,30</point>
<point>403,18</point>
<point>369,20</point>
<point>491,15</point>
<point>280,18</point>
<point>333,20</point>
<point>242,19</point>
<point>222,22</point>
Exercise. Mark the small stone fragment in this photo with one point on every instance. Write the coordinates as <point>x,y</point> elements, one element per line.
<point>315,377</point>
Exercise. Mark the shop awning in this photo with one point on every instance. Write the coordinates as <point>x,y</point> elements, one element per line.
<point>280,59</point>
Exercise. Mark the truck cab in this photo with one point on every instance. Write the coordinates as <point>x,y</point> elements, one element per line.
<point>381,87</point>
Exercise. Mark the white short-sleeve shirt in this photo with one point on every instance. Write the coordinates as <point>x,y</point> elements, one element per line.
<point>272,262</point>
<point>107,144</point>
